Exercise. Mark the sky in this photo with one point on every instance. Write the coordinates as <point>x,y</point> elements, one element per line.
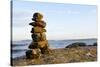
<point>64,21</point>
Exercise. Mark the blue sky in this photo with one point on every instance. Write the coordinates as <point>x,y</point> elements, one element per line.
<point>64,21</point>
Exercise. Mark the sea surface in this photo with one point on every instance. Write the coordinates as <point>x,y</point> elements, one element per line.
<point>19,47</point>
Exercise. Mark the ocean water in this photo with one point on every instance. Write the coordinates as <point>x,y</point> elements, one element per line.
<point>19,47</point>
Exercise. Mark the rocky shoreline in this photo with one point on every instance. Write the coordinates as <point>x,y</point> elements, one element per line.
<point>63,55</point>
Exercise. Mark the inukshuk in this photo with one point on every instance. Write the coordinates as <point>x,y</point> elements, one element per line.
<point>39,44</point>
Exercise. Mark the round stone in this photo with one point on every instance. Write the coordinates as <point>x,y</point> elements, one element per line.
<point>37,17</point>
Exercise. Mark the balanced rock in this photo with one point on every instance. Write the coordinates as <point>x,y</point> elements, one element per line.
<point>38,37</point>
<point>33,54</point>
<point>43,44</point>
<point>40,24</point>
<point>37,17</point>
<point>33,45</point>
<point>39,44</point>
<point>43,37</point>
<point>37,30</point>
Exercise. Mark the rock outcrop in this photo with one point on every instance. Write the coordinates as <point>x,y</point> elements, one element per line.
<point>77,44</point>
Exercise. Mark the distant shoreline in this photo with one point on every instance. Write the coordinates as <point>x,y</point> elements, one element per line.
<point>19,47</point>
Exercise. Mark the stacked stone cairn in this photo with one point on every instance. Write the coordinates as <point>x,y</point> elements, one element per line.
<point>39,44</point>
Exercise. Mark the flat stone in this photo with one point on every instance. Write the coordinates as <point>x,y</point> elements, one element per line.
<point>38,37</point>
<point>40,24</point>
<point>38,30</point>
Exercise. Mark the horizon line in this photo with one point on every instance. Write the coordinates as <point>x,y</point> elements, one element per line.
<point>56,39</point>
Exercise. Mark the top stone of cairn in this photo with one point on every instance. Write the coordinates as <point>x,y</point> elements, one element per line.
<point>37,17</point>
